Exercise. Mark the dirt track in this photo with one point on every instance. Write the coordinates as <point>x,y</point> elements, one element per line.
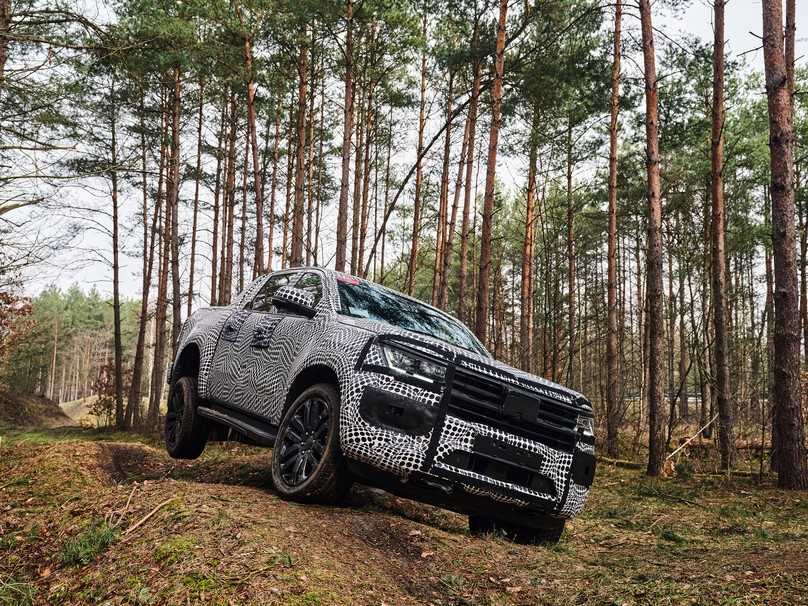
<point>218,534</point>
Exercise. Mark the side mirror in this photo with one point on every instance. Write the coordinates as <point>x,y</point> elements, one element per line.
<point>295,300</point>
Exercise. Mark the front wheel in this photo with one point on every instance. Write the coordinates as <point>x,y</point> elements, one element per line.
<point>186,433</point>
<point>548,533</point>
<point>307,463</point>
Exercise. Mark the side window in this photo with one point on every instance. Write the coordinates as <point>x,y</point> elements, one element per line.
<point>263,300</point>
<point>311,282</point>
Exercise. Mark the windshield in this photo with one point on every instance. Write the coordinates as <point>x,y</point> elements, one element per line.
<point>366,300</point>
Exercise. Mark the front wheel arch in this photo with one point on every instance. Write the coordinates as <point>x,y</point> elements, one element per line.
<point>308,377</point>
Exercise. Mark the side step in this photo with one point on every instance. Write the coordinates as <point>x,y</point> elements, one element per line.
<point>260,432</point>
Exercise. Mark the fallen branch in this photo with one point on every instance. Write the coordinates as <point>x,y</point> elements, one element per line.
<point>693,437</point>
<point>144,519</point>
<point>126,507</point>
<point>621,463</point>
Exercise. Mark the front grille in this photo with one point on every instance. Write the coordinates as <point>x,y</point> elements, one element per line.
<point>481,399</point>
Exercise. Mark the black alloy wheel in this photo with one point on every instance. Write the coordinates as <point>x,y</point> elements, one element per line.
<point>307,463</point>
<point>304,441</point>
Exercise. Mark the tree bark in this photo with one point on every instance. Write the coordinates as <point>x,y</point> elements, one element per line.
<point>526,286</point>
<point>342,211</point>
<point>214,256</point>
<point>465,228</point>
<point>197,179</point>
<point>276,147</point>
<point>5,23</point>
<point>149,238</point>
<point>613,403</point>
<point>296,259</point>
<point>443,205</point>
<point>443,299</point>
<point>726,440</point>
<point>120,414</point>
<point>258,263</point>
<point>416,209</point>
<point>572,323</point>
<point>792,470</point>
<point>226,285</point>
<point>174,200</point>
<point>483,281</point>
<point>656,453</point>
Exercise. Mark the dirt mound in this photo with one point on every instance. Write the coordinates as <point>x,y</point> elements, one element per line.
<point>121,523</point>
<point>31,411</point>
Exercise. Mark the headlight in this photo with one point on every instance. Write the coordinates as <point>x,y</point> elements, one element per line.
<point>413,365</point>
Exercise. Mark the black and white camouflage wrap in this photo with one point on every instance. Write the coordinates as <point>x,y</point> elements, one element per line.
<point>249,360</point>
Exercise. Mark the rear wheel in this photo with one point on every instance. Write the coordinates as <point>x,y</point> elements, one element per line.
<point>307,464</point>
<point>548,532</point>
<point>186,433</point>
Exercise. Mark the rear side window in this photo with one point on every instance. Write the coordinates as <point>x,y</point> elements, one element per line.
<point>263,300</point>
<point>312,283</point>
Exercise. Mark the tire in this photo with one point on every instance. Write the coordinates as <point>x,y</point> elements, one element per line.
<point>548,533</point>
<point>186,433</point>
<point>307,463</point>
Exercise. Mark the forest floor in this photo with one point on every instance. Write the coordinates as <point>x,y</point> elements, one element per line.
<point>88,517</point>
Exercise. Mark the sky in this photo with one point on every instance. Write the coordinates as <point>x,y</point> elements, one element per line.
<point>743,27</point>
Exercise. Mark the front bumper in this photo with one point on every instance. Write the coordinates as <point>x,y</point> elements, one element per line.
<point>433,436</point>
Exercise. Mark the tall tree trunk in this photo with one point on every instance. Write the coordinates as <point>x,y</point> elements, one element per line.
<point>226,287</point>
<point>792,468</point>
<point>242,246</point>
<point>462,285</point>
<point>174,201</point>
<point>296,258</point>
<point>197,179</point>
<point>483,282</point>
<point>803,225</point>
<point>726,440</point>
<point>526,287</point>
<point>342,211</point>
<point>276,147</point>
<point>258,181</point>
<point>656,453</point>
<point>572,324</point>
<point>613,404</point>
<point>149,238</point>
<point>214,255</point>
<point>356,209</point>
<point>5,23</point>
<point>158,361</point>
<point>416,209</point>
<point>443,206</point>
<point>120,414</point>
<point>290,167</point>
<point>443,299</point>
<point>310,157</point>
<point>365,208</point>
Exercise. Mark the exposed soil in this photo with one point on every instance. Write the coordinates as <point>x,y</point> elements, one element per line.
<point>31,411</point>
<point>218,534</point>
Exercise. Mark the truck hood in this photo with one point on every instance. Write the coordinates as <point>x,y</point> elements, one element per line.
<point>475,361</point>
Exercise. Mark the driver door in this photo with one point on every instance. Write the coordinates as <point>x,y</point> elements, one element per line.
<point>242,349</point>
<point>288,336</point>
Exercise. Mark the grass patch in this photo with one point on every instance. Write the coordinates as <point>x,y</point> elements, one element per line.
<point>310,598</point>
<point>16,593</point>
<point>85,546</point>
<point>671,535</point>
<point>174,550</point>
